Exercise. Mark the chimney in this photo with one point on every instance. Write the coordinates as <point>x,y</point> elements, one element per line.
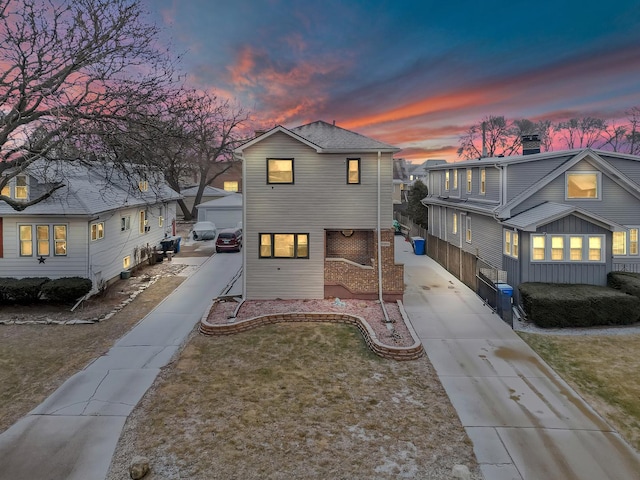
<point>530,144</point>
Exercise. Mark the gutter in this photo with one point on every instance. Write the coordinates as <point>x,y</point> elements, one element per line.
<point>384,310</point>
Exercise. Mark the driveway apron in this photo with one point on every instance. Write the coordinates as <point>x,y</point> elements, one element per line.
<point>524,421</point>
<point>73,433</point>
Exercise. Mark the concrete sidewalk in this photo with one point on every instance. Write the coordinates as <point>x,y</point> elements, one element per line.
<point>524,421</point>
<point>73,433</point>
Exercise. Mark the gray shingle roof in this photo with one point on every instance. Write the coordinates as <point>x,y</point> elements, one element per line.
<point>332,137</point>
<point>89,190</point>
<point>548,212</point>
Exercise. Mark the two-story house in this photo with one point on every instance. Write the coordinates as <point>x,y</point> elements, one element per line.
<point>94,227</point>
<point>317,215</point>
<point>556,217</point>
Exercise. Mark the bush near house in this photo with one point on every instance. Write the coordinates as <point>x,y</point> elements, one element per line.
<point>552,305</point>
<point>33,289</point>
<point>68,289</point>
<point>626,282</point>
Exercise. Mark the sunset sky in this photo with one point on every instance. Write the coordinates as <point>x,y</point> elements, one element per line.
<point>414,74</point>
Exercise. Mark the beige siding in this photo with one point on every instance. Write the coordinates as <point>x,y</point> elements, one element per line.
<point>319,199</point>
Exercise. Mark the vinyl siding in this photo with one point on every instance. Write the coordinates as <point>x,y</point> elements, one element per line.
<point>319,199</point>
<point>520,176</point>
<point>485,239</point>
<point>630,168</point>
<point>615,204</point>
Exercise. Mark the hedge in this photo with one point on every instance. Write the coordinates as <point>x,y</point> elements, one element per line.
<point>626,282</point>
<point>550,305</point>
<point>67,289</point>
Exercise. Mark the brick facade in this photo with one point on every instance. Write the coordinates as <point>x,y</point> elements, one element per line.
<point>358,248</point>
<point>353,280</point>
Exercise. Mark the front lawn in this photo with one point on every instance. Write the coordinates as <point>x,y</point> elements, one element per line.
<point>603,369</point>
<point>294,401</point>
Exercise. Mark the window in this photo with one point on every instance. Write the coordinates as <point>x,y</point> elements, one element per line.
<point>6,191</point>
<point>455,178</point>
<point>575,249</point>
<point>353,170</point>
<point>161,221</point>
<point>230,186</point>
<point>595,248</point>
<point>483,181</point>
<point>26,240</point>
<point>583,185</point>
<point>97,231</point>
<point>60,240</point>
<point>284,245</point>
<point>446,180</point>
<point>537,247</point>
<point>21,187</point>
<point>280,170</point>
<point>126,262</point>
<point>143,185</point>
<point>468,227</point>
<point>454,224</point>
<point>511,243</point>
<point>469,178</point>
<point>619,243</point>
<point>125,223</point>
<point>557,248</point>
<point>143,221</point>
<point>633,241</point>
<point>42,240</point>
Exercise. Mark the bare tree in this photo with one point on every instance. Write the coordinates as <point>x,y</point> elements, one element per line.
<point>490,137</point>
<point>615,137</point>
<point>68,67</point>
<point>633,135</point>
<point>583,132</point>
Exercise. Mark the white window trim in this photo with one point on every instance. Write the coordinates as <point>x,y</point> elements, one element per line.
<point>454,224</point>
<point>627,245</point>
<point>447,180</point>
<point>99,232</point>
<point>483,181</point>
<point>566,257</point>
<point>455,179</point>
<point>125,223</point>
<point>585,172</point>
<point>468,234</point>
<point>469,180</point>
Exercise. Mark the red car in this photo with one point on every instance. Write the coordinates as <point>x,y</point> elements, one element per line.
<point>229,240</point>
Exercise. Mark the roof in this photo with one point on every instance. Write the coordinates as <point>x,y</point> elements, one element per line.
<point>230,201</point>
<point>327,138</point>
<point>547,212</point>
<point>90,189</point>
<point>208,191</point>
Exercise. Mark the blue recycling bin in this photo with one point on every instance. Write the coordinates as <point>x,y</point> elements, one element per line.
<point>504,301</point>
<point>505,289</point>
<point>418,245</point>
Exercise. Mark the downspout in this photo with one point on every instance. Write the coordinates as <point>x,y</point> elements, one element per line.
<point>244,229</point>
<point>384,310</point>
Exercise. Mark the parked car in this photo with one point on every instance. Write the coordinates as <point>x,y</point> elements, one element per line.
<point>204,231</point>
<point>229,239</point>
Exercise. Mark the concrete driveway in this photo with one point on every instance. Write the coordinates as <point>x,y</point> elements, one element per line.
<point>72,435</point>
<point>524,421</point>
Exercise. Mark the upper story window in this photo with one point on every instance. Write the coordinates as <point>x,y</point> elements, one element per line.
<point>483,181</point>
<point>446,180</point>
<point>280,170</point>
<point>125,223</point>
<point>353,170</point>
<point>6,191</point>
<point>143,221</point>
<point>17,188</point>
<point>468,229</point>
<point>230,186</point>
<point>143,185</point>
<point>284,245</point>
<point>469,179</point>
<point>454,224</point>
<point>583,185</point>
<point>455,178</point>
<point>97,231</point>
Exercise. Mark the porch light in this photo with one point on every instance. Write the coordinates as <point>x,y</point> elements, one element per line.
<point>347,233</point>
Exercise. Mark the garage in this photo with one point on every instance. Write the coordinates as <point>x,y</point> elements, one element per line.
<point>224,212</point>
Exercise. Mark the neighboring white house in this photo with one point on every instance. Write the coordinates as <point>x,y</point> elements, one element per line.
<point>224,212</point>
<point>210,193</point>
<point>318,215</point>
<point>94,227</point>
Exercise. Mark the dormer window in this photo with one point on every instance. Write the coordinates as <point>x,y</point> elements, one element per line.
<point>22,191</point>
<point>143,185</point>
<point>6,191</point>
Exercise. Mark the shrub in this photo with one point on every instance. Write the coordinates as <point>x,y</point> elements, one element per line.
<point>5,288</point>
<point>24,290</point>
<point>625,282</point>
<point>66,290</point>
<point>551,305</point>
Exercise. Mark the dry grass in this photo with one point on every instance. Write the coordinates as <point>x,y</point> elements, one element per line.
<point>294,401</point>
<point>37,359</point>
<point>603,369</point>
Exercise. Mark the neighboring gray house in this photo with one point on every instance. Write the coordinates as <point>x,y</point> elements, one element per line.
<point>210,193</point>
<point>92,228</point>
<point>557,217</point>
<point>224,212</point>
<point>318,215</point>
<point>420,172</point>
